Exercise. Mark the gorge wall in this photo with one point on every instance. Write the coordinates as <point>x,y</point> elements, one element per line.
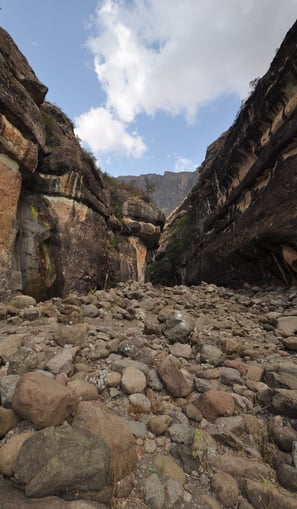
<point>61,229</point>
<point>239,223</point>
<point>167,190</point>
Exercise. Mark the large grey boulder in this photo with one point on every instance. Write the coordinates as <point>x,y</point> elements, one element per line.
<point>62,461</point>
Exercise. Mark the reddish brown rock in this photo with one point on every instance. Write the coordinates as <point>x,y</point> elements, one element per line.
<point>226,488</point>
<point>213,404</point>
<point>173,378</point>
<point>8,420</point>
<point>43,400</point>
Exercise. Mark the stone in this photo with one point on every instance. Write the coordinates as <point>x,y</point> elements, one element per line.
<point>202,442</point>
<point>168,467</point>
<point>140,402</point>
<point>283,436</point>
<point>181,350</point>
<point>7,387</point>
<point>133,380</point>
<point>230,376</point>
<point>284,377</point>
<point>213,404</point>
<point>158,424</point>
<point>226,489</point>
<point>207,502</point>
<point>31,314</point>
<point>42,400</point>
<point>238,466</point>
<point>178,326</point>
<point>153,380</point>
<point>290,343</point>
<point>262,496</point>
<point>175,494</point>
<point>10,451</point>
<point>150,446</point>
<point>23,301</point>
<point>287,324</point>
<point>23,361</point>
<point>90,310</point>
<point>287,476</point>
<point>211,355</point>
<point>192,412</point>
<point>255,372</point>
<point>95,417</point>
<point>236,364</point>
<point>230,346</point>
<point>62,362</point>
<point>62,460</point>
<point>113,379</point>
<point>154,493</point>
<point>136,349</point>
<point>76,335</point>
<point>84,391</point>
<point>181,433</point>
<point>284,402</point>
<point>8,420</point>
<point>234,424</point>
<point>16,499</point>
<point>138,428</point>
<point>9,346</point>
<point>173,378</point>
<point>152,326</point>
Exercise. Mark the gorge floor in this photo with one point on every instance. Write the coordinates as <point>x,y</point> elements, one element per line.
<point>204,377</point>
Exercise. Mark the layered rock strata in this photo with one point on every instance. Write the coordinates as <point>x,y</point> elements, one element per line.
<point>239,222</point>
<point>58,226</point>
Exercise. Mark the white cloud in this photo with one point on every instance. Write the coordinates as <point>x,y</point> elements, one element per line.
<point>104,133</point>
<point>184,164</point>
<point>176,56</point>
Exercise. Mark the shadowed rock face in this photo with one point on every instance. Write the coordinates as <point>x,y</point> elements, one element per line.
<point>60,231</point>
<point>239,222</point>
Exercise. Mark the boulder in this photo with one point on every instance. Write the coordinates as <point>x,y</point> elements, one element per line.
<point>63,460</point>
<point>114,430</point>
<point>43,400</point>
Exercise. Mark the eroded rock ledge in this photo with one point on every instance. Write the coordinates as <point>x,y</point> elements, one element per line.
<point>239,222</point>
<point>60,230</point>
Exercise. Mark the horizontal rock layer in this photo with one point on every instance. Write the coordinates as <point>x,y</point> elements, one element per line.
<point>63,227</point>
<point>239,222</point>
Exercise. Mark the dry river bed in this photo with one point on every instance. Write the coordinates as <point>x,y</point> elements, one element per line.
<point>141,397</point>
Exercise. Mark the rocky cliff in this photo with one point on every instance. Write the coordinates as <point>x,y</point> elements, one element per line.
<point>60,230</point>
<point>167,190</point>
<point>239,223</point>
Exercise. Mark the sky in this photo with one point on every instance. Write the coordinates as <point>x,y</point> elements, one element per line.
<point>149,84</point>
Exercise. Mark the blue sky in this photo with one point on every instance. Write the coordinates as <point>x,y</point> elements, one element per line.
<point>149,83</point>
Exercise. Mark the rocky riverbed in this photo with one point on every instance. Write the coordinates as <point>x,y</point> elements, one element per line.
<point>142,397</point>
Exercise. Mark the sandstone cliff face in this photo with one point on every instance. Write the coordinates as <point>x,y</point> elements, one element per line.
<point>239,224</point>
<point>167,190</point>
<point>58,230</point>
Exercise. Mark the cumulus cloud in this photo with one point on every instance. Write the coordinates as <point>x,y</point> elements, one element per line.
<point>176,56</point>
<point>104,133</point>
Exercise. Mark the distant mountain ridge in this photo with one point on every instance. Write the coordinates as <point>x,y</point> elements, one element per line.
<point>167,190</point>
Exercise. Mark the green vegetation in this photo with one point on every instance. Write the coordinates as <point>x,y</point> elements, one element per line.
<point>164,270</point>
<point>49,124</point>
